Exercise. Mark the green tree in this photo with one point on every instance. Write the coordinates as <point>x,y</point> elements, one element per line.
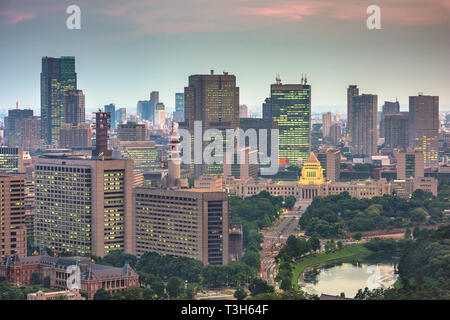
<point>102,294</point>
<point>357,236</point>
<point>35,279</point>
<point>46,282</point>
<point>408,233</point>
<point>240,293</point>
<point>174,287</point>
<point>314,243</point>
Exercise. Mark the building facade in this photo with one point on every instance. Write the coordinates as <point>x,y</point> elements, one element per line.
<point>57,77</point>
<point>83,205</point>
<point>364,124</point>
<point>424,127</point>
<point>13,232</point>
<point>191,223</point>
<point>291,110</point>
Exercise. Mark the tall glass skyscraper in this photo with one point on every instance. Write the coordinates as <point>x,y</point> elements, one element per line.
<point>57,77</point>
<point>291,110</point>
<point>179,102</point>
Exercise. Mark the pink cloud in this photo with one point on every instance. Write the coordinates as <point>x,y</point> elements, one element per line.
<point>14,17</point>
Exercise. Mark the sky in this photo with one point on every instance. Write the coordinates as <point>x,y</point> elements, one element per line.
<point>127,48</point>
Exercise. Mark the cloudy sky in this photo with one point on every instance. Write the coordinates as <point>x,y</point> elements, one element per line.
<point>127,48</point>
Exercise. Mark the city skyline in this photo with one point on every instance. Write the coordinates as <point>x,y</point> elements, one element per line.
<point>125,52</point>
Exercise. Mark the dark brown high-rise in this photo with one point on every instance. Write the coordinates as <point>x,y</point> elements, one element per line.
<point>213,100</point>
<point>102,124</point>
<point>352,91</point>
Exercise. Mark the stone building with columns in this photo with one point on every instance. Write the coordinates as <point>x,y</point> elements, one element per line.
<point>312,184</point>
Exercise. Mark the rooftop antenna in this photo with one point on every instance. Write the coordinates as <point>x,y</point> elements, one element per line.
<point>302,80</point>
<point>278,78</point>
<point>306,79</point>
<point>17,105</point>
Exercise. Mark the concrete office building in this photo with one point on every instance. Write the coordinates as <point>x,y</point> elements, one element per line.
<point>74,107</point>
<point>75,136</point>
<point>13,232</point>
<point>364,124</point>
<point>11,160</point>
<point>131,131</point>
<point>191,223</point>
<point>326,121</point>
<point>424,127</point>
<point>330,160</point>
<point>395,128</point>
<point>352,91</point>
<point>83,205</point>
<point>410,164</point>
<point>212,99</point>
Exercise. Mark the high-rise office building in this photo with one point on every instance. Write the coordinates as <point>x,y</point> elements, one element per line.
<point>143,107</point>
<point>74,107</point>
<point>111,109</point>
<point>352,91</point>
<point>424,127</point>
<point>131,131</point>
<point>191,223</point>
<point>145,155</point>
<point>179,101</point>
<point>13,232</point>
<point>57,77</point>
<point>395,127</point>
<point>336,133</point>
<point>149,114</point>
<point>330,161</point>
<point>83,205</point>
<point>326,121</point>
<point>364,124</point>
<point>388,108</point>
<point>410,164</point>
<point>291,110</point>
<point>12,123</point>
<point>11,160</point>
<point>243,111</point>
<point>212,99</point>
<point>121,115</point>
<point>75,136</point>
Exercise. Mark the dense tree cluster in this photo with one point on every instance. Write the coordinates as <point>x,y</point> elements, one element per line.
<point>293,250</point>
<point>331,216</point>
<point>424,270</point>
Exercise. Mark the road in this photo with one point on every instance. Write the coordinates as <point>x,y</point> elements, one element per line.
<point>275,237</point>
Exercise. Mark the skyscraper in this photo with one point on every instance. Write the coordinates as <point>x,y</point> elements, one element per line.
<point>395,127</point>
<point>326,120</point>
<point>149,113</point>
<point>243,111</point>
<point>364,124</point>
<point>213,100</point>
<point>74,107</point>
<point>424,127</point>
<point>179,102</point>
<point>83,205</point>
<point>291,110</point>
<point>13,232</point>
<point>11,123</point>
<point>111,109</point>
<point>57,77</point>
<point>388,108</point>
<point>352,91</point>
